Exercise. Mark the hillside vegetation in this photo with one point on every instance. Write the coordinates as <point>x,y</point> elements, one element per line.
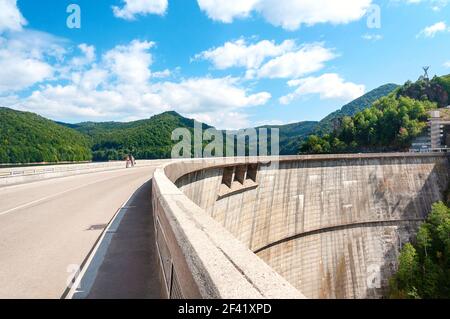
<point>329,123</point>
<point>384,119</point>
<point>145,139</point>
<point>29,138</point>
<point>389,124</point>
<point>424,265</point>
<point>292,135</point>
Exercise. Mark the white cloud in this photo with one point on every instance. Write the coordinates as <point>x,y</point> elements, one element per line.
<point>217,100</point>
<point>289,14</point>
<point>10,17</point>
<point>88,55</point>
<point>309,58</point>
<point>432,30</point>
<point>119,87</point>
<point>130,63</point>
<point>447,64</point>
<point>227,11</point>
<point>266,59</point>
<point>27,58</point>
<point>19,73</point>
<point>241,54</point>
<point>201,95</point>
<point>328,86</point>
<point>132,8</point>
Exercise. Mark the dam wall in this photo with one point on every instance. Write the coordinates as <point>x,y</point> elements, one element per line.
<point>331,225</point>
<point>198,257</point>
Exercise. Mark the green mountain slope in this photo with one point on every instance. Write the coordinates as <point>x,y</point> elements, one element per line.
<point>436,90</point>
<point>292,135</point>
<point>145,139</point>
<point>329,123</point>
<point>390,124</point>
<point>29,138</point>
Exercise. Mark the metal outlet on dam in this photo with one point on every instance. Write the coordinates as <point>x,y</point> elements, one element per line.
<point>326,226</point>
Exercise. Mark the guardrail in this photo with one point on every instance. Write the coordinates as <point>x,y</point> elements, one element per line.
<point>18,175</point>
<point>27,171</point>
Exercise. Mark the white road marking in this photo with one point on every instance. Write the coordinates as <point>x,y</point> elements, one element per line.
<point>52,196</point>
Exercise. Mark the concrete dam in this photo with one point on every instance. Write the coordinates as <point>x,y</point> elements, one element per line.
<point>326,226</point>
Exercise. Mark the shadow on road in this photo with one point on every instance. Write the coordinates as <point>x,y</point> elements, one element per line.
<point>129,269</point>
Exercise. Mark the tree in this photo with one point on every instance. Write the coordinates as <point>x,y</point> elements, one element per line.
<point>424,267</point>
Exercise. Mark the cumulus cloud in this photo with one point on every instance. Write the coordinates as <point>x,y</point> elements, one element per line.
<point>27,58</point>
<point>10,17</point>
<point>328,86</point>
<point>132,8</point>
<point>266,59</point>
<point>227,11</point>
<point>130,63</point>
<point>240,54</point>
<point>432,30</point>
<point>119,86</point>
<point>447,64</point>
<point>289,14</point>
<point>88,56</point>
<point>307,59</point>
<point>201,95</point>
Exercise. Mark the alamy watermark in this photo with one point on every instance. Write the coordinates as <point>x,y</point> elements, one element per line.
<point>74,19</point>
<point>374,17</point>
<point>212,143</point>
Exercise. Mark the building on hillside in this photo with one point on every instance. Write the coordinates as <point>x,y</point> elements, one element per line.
<point>437,138</point>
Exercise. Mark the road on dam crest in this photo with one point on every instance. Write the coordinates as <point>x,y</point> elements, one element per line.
<point>49,227</point>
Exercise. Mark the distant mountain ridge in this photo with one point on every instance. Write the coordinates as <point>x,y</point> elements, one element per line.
<point>390,124</point>
<point>29,138</point>
<point>40,139</point>
<point>328,124</point>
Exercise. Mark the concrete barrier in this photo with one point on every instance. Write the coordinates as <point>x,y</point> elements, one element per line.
<point>330,225</point>
<point>19,175</point>
<point>201,259</point>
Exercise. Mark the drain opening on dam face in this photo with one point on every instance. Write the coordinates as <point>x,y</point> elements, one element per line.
<point>227,177</point>
<point>237,179</point>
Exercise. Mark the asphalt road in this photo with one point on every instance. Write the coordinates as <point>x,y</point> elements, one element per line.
<point>49,227</point>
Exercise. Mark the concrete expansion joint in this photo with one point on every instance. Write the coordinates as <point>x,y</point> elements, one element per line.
<point>242,272</point>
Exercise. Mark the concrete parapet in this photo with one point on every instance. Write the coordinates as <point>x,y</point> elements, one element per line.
<point>331,225</point>
<point>201,259</point>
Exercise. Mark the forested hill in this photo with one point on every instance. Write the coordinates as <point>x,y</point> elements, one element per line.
<point>293,135</point>
<point>145,139</point>
<point>328,124</point>
<point>29,138</point>
<point>390,124</point>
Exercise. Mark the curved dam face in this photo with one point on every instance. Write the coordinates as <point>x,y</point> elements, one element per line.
<point>332,226</point>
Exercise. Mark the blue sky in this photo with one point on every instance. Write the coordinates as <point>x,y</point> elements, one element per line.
<point>233,64</point>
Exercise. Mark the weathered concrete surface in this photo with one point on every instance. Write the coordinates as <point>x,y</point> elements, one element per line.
<point>330,225</point>
<point>200,259</point>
